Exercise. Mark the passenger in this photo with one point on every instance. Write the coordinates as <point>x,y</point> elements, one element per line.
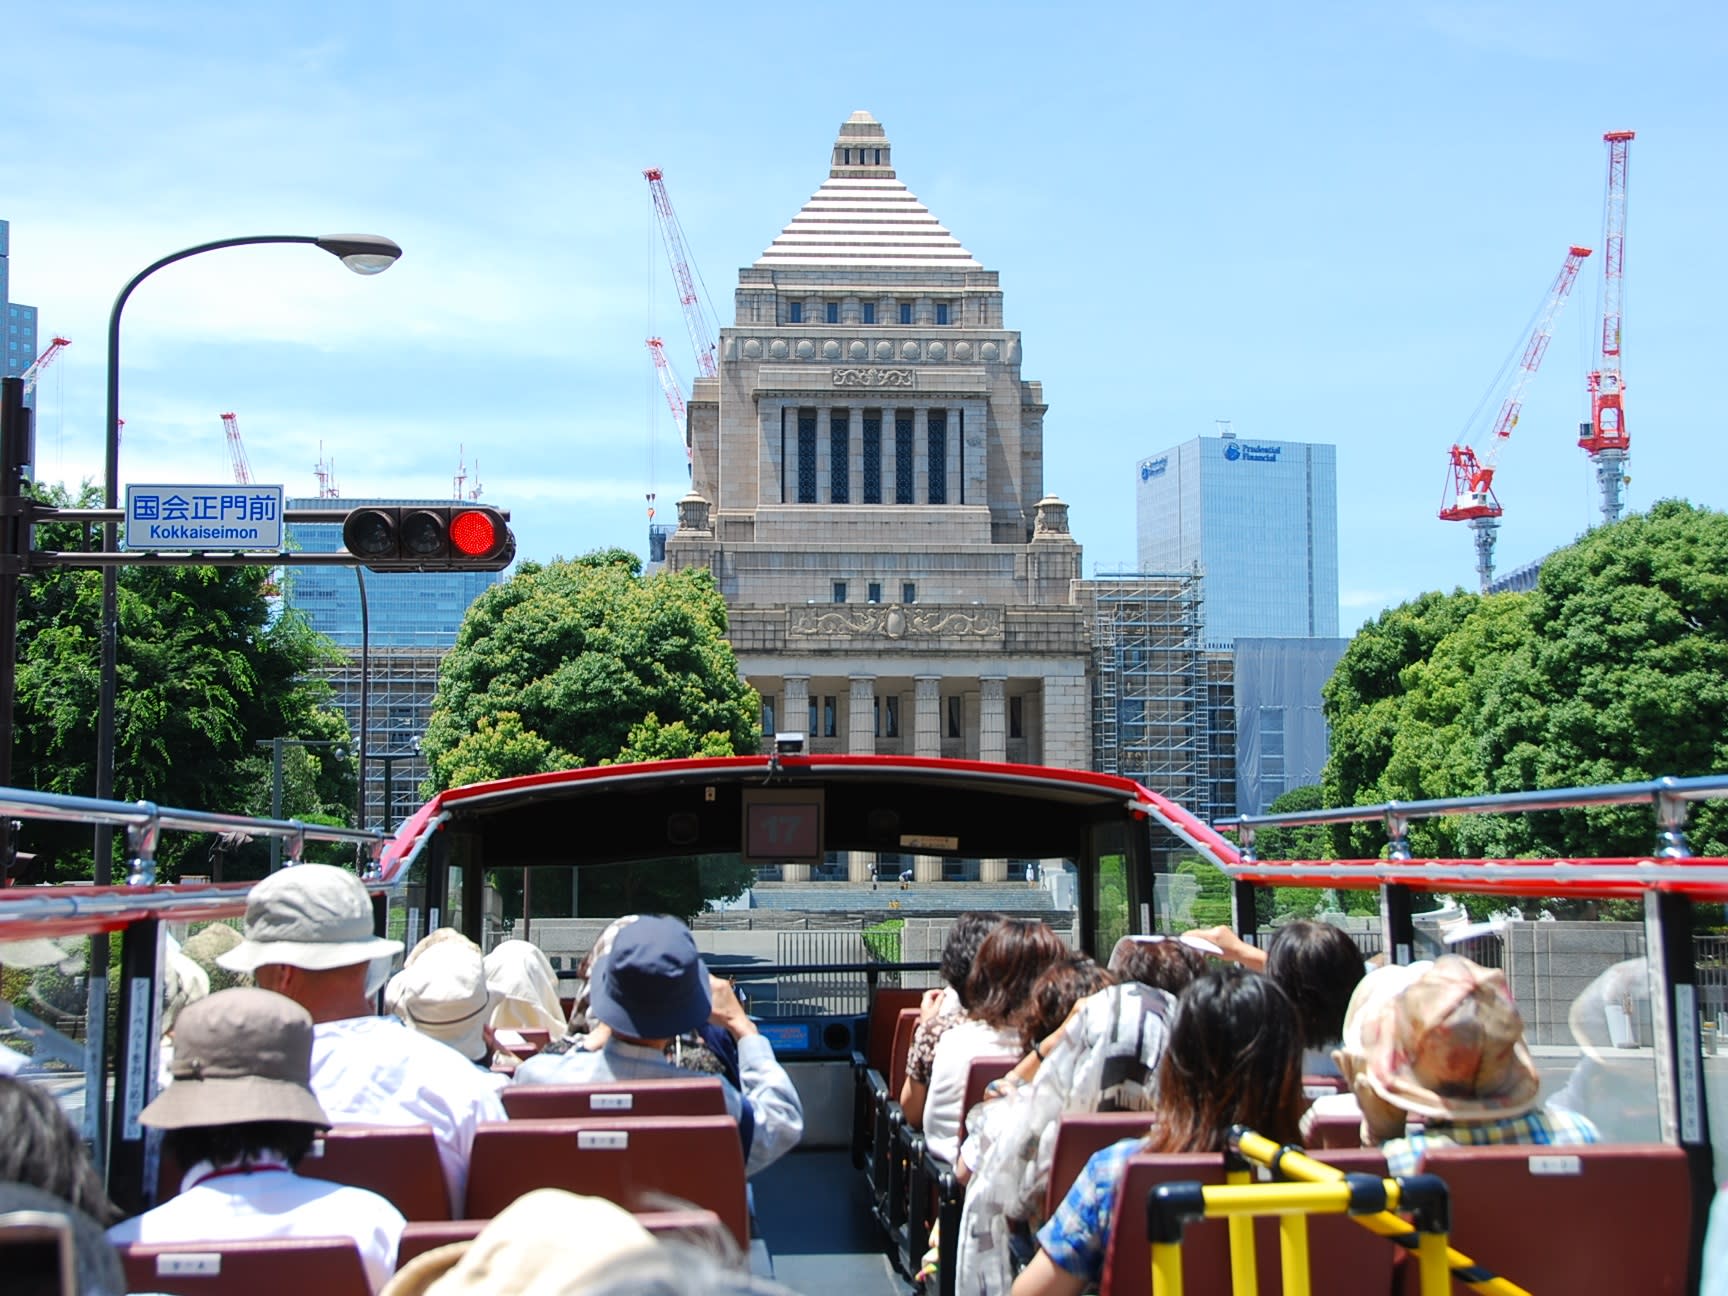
<point>42,1149</point>
<point>1008,965</point>
<point>1318,965</point>
<point>1372,993</point>
<point>1235,1058</point>
<point>653,987</point>
<point>1449,1050</point>
<point>1104,1058</point>
<point>97,1265</point>
<point>308,935</point>
<point>240,1116</point>
<point>441,992</point>
<point>581,1021</point>
<point>519,972</point>
<point>1164,962</point>
<point>942,1007</point>
<point>1613,1083</point>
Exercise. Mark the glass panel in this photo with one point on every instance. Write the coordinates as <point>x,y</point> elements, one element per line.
<point>941,312</point>
<point>872,456</point>
<point>893,730</point>
<point>806,456</point>
<point>794,312</point>
<point>832,312</point>
<point>905,312</point>
<point>904,481</point>
<point>908,592</point>
<point>839,457</point>
<point>869,309</point>
<point>938,439</point>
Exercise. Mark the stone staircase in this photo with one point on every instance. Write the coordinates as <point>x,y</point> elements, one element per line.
<point>904,900</point>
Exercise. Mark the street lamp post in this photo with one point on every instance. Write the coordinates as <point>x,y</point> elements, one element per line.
<point>390,759</point>
<point>276,745</point>
<point>365,254</point>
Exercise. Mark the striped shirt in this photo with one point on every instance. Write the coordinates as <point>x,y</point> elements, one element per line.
<point>1543,1127</point>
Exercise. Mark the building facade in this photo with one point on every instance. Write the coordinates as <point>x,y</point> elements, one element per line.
<point>20,351</point>
<point>867,487</point>
<point>1259,519</point>
<point>410,621</point>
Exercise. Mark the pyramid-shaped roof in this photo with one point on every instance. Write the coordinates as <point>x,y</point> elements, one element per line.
<point>862,216</point>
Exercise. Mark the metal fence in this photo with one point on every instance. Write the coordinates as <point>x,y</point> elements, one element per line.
<point>831,993</point>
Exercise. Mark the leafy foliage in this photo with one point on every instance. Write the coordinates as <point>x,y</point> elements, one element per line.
<point>1615,668</point>
<point>208,667</point>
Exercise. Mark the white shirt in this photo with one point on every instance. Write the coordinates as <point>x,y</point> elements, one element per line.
<point>375,1071</point>
<point>943,1119</point>
<point>271,1204</point>
<point>774,1102</point>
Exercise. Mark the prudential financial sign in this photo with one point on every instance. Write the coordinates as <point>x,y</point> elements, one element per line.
<point>1248,452</point>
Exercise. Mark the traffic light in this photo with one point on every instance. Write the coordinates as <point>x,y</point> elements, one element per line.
<point>440,537</point>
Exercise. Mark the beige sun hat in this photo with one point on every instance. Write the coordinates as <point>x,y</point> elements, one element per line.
<point>546,1243</point>
<point>520,971</point>
<point>239,1055</point>
<point>311,916</point>
<point>442,993</point>
<point>1451,1046</point>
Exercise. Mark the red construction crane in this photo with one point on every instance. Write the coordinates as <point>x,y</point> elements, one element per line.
<point>30,375</point>
<point>1605,435</point>
<point>670,385</point>
<point>237,451</point>
<point>1472,480</point>
<point>701,336</point>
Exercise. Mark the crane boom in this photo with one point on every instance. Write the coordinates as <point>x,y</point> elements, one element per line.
<point>1472,475</point>
<point>237,451</point>
<point>701,336</point>
<point>1605,436</point>
<point>669,385</point>
<point>48,356</point>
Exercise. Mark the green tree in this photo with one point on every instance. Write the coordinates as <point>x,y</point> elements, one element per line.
<point>1615,668</point>
<point>208,665</point>
<point>588,662</point>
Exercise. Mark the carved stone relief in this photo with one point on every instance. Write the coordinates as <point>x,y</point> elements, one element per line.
<point>894,621</point>
<point>874,377</point>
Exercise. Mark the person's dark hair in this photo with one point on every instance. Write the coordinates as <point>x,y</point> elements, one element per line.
<point>41,1148</point>
<point>244,1141</point>
<point>99,1272</point>
<point>1063,984</point>
<point>1234,1058</point>
<point>1164,964</point>
<point>1318,966</point>
<point>1009,963</point>
<point>960,950</point>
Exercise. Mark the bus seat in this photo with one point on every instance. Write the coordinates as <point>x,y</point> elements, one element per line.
<point>981,1072</point>
<point>1336,1130</point>
<point>1521,1210</point>
<point>871,1067</point>
<point>270,1267</point>
<point>697,1096</point>
<point>398,1162</point>
<point>1345,1259</point>
<point>640,1162</point>
<point>905,1027</point>
<point>886,1007</point>
<point>1078,1136</point>
<point>1318,1086</point>
<point>936,1192</point>
<point>703,1228</point>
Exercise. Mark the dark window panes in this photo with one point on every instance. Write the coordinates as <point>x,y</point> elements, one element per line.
<point>903,479</point>
<point>892,702</point>
<point>1016,717</point>
<point>875,588</point>
<point>869,309</point>
<point>954,716</point>
<point>941,312</point>
<point>830,715</point>
<point>872,456</point>
<point>831,312</point>
<point>938,438</point>
<point>839,591</point>
<point>905,312</point>
<point>794,312</point>
<point>806,456</point>
<point>839,457</point>
<point>768,727</point>
<point>908,592</point>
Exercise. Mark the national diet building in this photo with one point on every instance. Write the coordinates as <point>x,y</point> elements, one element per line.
<point>867,486</point>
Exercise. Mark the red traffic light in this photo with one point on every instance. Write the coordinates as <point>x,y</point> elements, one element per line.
<point>429,538</point>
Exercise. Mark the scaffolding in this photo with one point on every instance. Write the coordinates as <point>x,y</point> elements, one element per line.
<point>401,685</point>
<point>1162,707</point>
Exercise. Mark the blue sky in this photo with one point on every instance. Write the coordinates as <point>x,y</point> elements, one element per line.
<point>1326,222</point>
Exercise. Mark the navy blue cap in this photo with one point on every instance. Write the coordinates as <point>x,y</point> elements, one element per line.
<point>653,984</point>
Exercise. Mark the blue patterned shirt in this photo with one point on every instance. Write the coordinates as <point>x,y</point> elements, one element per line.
<point>1077,1236</point>
<point>1543,1127</point>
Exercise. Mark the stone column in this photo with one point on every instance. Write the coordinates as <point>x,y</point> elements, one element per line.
<point>992,718</point>
<point>927,716</point>
<point>921,454</point>
<point>926,868</point>
<point>795,707</point>
<point>861,720</point>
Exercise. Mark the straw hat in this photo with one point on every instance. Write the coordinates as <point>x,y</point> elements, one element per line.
<point>239,1055</point>
<point>311,916</point>
<point>546,1243</point>
<point>1451,1046</point>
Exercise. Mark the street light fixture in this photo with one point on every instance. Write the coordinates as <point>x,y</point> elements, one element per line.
<point>365,254</point>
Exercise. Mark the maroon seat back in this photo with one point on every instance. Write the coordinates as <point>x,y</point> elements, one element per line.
<point>904,1028</point>
<point>274,1267</point>
<point>641,1162</point>
<point>702,1227</point>
<point>885,1008</point>
<point>1341,1130</point>
<point>697,1096</point>
<point>1077,1138</point>
<point>979,1073</point>
<point>1344,1258</point>
<point>1604,1218</point>
<point>398,1162</point>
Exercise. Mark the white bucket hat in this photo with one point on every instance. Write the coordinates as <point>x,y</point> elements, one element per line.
<point>311,916</point>
<point>442,993</point>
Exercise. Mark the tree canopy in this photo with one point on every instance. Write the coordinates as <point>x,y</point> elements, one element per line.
<point>1614,668</point>
<point>209,666</point>
<point>588,662</point>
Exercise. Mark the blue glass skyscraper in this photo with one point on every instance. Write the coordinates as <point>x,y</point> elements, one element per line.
<point>20,350</point>
<point>1259,520</point>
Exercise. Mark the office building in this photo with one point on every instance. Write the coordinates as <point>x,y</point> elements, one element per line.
<point>410,621</point>
<point>1259,521</point>
<point>20,351</point>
